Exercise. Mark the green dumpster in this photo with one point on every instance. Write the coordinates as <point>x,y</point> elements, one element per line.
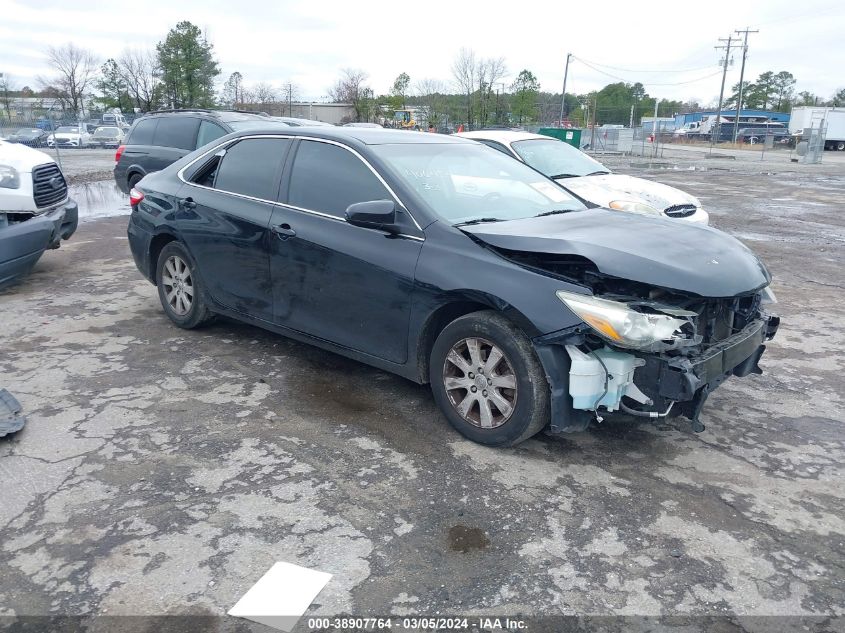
<point>571,136</point>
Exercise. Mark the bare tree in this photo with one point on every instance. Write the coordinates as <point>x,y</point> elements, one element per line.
<point>430,94</point>
<point>351,88</point>
<point>463,71</point>
<point>5,97</point>
<point>234,92</point>
<point>489,72</point>
<point>75,69</point>
<point>290,93</point>
<point>263,94</point>
<point>140,72</point>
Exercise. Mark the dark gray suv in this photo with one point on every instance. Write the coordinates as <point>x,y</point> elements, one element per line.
<point>160,138</point>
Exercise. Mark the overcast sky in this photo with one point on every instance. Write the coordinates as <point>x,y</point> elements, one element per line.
<point>308,42</point>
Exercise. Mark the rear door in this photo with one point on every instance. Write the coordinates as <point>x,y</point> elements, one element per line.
<point>174,137</point>
<point>232,195</point>
<point>342,283</point>
<point>138,148</point>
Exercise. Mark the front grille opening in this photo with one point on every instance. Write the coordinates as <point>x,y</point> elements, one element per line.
<point>48,185</point>
<point>680,210</point>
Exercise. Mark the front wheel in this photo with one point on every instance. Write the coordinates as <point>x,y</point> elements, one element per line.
<point>180,288</point>
<point>487,380</point>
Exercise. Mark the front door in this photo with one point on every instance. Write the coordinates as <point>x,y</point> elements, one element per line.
<point>342,283</point>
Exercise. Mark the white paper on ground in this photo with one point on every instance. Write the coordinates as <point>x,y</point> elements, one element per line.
<point>281,596</point>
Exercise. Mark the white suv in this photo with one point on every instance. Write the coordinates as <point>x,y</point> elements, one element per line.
<point>35,210</point>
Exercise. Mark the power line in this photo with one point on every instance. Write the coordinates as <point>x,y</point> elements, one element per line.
<point>635,70</point>
<point>628,80</point>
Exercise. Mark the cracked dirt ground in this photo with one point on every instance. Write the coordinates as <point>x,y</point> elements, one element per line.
<point>163,471</point>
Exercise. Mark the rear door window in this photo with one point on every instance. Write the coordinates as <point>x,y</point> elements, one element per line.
<point>143,132</point>
<point>328,178</point>
<point>252,167</point>
<point>208,132</point>
<point>179,132</point>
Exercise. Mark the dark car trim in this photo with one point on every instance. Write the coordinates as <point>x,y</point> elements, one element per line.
<point>226,143</point>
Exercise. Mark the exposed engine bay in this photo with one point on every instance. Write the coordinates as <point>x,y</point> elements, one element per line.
<point>705,340</point>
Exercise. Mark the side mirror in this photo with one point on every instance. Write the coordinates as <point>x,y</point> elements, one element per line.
<point>373,214</point>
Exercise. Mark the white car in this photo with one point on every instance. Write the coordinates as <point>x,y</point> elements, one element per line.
<point>591,180</point>
<point>70,136</point>
<point>36,213</point>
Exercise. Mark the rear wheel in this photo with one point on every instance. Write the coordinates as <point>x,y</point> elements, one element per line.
<point>487,380</point>
<point>840,145</point>
<point>180,287</point>
<point>134,179</point>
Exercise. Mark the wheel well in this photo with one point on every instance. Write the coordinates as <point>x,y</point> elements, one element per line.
<point>442,317</point>
<point>132,173</point>
<point>156,245</point>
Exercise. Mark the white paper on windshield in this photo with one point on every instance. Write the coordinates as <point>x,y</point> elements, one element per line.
<point>552,192</point>
<point>281,596</point>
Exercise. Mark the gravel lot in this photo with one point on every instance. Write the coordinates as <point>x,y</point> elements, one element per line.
<point>162,472</point>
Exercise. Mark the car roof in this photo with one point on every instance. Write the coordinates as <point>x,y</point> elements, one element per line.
<point>503,136</point>
<point>363,135</point>
<point>302,122</point>
<point>221,115</point>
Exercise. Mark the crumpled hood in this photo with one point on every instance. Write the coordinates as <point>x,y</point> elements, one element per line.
<point>21,157</point>
<point>660,252</point>
<point>604,189</point>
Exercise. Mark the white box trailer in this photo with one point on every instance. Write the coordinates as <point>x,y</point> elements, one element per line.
<point>803,118</point>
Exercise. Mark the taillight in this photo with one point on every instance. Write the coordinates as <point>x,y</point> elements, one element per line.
<point>135,196</point>
<point>119,153</point>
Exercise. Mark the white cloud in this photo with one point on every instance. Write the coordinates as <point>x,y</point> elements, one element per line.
<point>309,42</point>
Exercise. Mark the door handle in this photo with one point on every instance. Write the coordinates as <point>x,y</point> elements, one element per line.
<point>284,231</point>
<point>187,203</point>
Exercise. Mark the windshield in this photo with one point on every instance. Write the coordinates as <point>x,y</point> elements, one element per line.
<point>465,182</point>
<point>66,129</point>
<point>557,159</point>
<point>106,131</point>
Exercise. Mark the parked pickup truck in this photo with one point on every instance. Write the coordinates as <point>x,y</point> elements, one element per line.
<point>35,211</point>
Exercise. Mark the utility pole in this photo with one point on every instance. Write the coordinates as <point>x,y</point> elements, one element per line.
<point>727,47</point>
<point>741,76</point>
<point>563,96</point>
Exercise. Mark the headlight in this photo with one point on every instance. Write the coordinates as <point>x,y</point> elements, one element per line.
<point>631,206</point>
<point>768,296</point>
<point>9,178</point>
<point>621,325</point>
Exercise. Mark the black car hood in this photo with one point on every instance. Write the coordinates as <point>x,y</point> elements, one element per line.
<point>660,252</point>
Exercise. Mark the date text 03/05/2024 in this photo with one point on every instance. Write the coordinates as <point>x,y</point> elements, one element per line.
<point>418,623</point>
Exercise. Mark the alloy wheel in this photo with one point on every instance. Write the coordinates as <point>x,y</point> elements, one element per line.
<point>178,285</point>
<point>480,383</point>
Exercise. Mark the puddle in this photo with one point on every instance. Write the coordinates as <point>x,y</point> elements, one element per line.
<point>100,199</point>
<point>464,539</point>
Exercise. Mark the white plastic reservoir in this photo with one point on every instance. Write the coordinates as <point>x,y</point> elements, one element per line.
<point>587,377</point>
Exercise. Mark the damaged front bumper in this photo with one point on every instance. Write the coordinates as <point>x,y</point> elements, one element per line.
<point>23,243</point>
<point>663,382</point>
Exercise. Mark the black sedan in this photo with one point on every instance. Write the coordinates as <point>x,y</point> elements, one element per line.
<point>32,136</point>
<point>446,262</point>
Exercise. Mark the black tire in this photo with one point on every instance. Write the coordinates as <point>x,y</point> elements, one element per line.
<point>530,399</point>
<point>195,304</point>
<point>134,179</point>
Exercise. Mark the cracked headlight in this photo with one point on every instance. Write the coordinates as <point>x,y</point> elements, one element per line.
<point>9,178</point>
<point>622,326</point>
<point>632,206</point>
<point>768,296</point>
